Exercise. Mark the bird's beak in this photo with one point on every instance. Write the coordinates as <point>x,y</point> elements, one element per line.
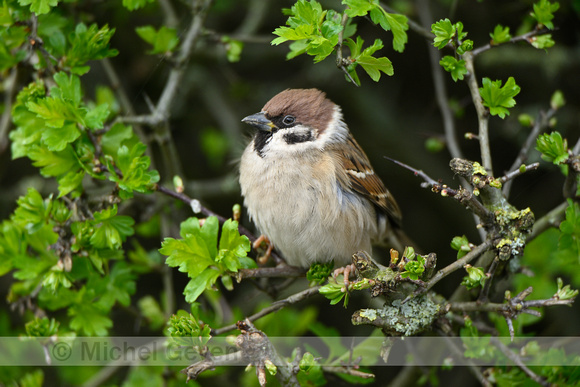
<point>259,121</point>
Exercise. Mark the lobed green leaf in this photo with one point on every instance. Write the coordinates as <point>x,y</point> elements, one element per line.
<point>499,98</point>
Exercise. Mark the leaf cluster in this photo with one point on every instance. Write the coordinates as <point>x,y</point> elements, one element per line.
<point>499,98</point>
<point>319,33</point>
<point>199,255</point>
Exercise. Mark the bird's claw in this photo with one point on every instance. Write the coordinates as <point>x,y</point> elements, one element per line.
<point>257,243</point>
<point>345,271</point>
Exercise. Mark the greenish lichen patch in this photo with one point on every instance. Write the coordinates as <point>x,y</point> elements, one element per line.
<point>400,319</point>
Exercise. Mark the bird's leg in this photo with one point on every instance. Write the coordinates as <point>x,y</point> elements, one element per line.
<point>257,243</point>
<point>345,271</point>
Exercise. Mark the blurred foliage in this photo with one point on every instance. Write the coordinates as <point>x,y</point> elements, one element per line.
<point>81,223</point>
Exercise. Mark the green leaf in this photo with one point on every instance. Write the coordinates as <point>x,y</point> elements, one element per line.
<point>111,230</point>
<point>54,163</point>
<point>396,23</point>
<point>118,135</point>
<point>233,49</point>
<point>358,7</point>
<point>118,285</point>
<point>151,310</point>
<point>461,244</point>
<point>69,182</point>
<point>198,255</point>
<point>57,138</point>
<point>475,277</point>
<point>554,149</point>
<point>134,168</point>
<point>32,212</point>
<point>500,34</point>
<point>334,291</point>
<point>319,272</point>
<point>69,88</point>
<point>185,330</point>
<point>557,100</point>
<point>565,292</point>
<point>466,45</point>
<point>544,13</point>
<point>89,319</point>
<point>42,327</point>
<point>39,7</point>
<point>447,33</point>
<point>570,230</point>
<point>96,116</point>
<point>54,111</point>
<point>232,246</point>
<point>542,41</point>
<point>190,254</point>
<point>87,44</point>
<point>373,66</point>
<point>414,269</point>
<point>309,23</point>
<point>163,40</point>
<point>455,67</point>
<point>197,285</point>
<point>444,32</point>
<point>497,98</point>
<point>133,5</point>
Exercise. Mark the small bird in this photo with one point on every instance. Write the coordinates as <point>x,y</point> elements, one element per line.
<point>309,187</point>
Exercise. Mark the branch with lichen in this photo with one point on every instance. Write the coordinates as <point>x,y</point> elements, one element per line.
<point>517,305</point>
<point>256,350</point>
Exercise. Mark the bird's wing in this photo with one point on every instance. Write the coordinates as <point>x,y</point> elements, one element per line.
<point>360,177</point>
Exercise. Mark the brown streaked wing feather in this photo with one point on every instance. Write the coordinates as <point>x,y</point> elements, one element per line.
<point>362,179</point>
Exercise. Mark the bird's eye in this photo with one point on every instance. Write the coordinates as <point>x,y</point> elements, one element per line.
<point>288,120</point>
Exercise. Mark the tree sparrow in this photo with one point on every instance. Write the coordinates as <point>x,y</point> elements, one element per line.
<point>308,185</point>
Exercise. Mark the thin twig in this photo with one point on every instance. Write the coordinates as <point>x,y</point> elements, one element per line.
<point>202,210</point>
<point>348,371</point>
<point>280,271</point>
<point>473,254</point>
<point>5,120</point>
<point>518,172</point>
<point>293,299</point>
<point>341,62</point>
<point>487,286</point>
<point>174,82</point>
<point>576,150</point>
<point>540,125</point>
<point>482,114</point>
<point>508,307</point>
<point>463,196</point>
<point>437,72</point>
<point>525,37</point>
<point>255,15</point>
<point>518,362</point>
<point>170,19</point>
<point>551,219</point>
<point>460,354</point>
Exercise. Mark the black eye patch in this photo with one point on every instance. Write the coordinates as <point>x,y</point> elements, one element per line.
<point>295,138</point>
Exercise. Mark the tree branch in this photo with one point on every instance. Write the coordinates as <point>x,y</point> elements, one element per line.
<point>437,72</point>
<point>9,90</point>
<point>525,37</point>
<point>161,111</point>
<point>540,125</point>
<point>551,219</point>
<point>482,114</point>
<point>467,258</point>
<point>276,306</point>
